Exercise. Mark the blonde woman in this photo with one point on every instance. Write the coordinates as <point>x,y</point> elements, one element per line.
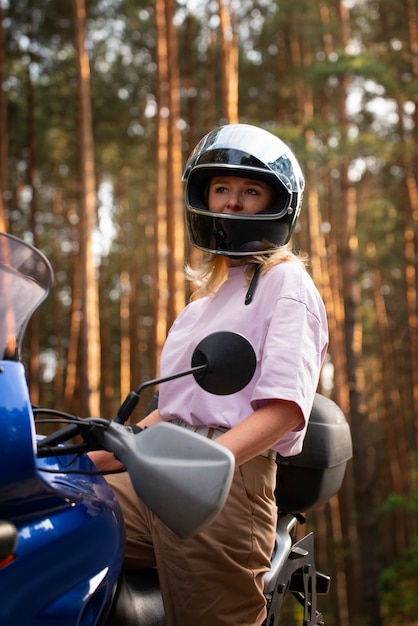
<point>243,196</point>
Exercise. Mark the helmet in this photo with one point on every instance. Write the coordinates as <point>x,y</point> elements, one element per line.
<point>249,152</point>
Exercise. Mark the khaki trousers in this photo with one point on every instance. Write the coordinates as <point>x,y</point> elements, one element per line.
<point>216,577</point>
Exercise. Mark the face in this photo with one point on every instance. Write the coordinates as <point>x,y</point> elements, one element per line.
<point>230,194</point>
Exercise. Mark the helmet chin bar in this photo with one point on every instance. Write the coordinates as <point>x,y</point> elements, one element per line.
<point>236,237</point>
<point>253,248</point>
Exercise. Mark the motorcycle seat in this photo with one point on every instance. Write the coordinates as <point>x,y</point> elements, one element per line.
<point>137,600</point>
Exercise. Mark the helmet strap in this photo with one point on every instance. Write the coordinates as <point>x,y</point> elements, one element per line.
<point>253,285</point>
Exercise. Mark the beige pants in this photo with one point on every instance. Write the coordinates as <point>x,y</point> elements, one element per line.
<point>216,577</point>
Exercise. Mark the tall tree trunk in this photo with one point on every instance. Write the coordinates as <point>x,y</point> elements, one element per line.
<point>90,361</point>
<point>33,330</point>
<point>3,127</point>
<point>367,525</point>
<point>125,286</point>
<point>108,392</point>
<point>229,63</point>
<point>410,164</point>
<point>59,329</point>
<point>326,274</point>
<point>397,456</point>
<point>125,344</point>
<point>169,225</point>
<point>175,220</point>
<point>71,400</point>
<point>163,112</point>
<point>211,117</point>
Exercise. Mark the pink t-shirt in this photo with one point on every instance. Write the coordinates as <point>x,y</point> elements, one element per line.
<point>287,327</point>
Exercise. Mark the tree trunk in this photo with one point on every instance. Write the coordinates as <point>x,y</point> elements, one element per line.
<point>229,63</point>
<point>90,360</point>
<point>175,219</point>
<point>163,112</point>
<point>108,393</point>
<point>395,435</point>
<point>3,127</point>
<point>33,330</point>
<point>71,401</point>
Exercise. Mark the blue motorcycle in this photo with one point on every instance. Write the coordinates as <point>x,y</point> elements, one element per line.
<point>61,530</point>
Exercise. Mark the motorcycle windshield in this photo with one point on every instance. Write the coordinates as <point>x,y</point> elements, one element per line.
<point>25,280</point>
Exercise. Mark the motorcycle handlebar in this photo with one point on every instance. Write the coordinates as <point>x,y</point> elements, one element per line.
<point>50,445</point>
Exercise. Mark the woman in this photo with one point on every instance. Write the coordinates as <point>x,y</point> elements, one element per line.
<point>243,196</point>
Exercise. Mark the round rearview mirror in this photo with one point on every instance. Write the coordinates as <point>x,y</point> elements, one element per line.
<point>230,360</point>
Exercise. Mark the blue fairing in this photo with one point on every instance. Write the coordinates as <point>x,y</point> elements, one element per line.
<point>70,538</point>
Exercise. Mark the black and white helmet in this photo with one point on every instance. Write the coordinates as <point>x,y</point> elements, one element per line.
<point>248,152</point>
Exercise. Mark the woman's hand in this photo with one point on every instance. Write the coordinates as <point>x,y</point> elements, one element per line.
<point>106,461</point>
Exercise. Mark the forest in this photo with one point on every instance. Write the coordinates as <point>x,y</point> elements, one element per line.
<point>101,103</point>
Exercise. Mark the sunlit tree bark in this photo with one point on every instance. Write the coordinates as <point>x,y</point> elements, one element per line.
<point>89,364</point>
<point>163,112</point>
<point>169,216</point>
<point>229,62</point>
<point>175,219</point>
<point>211,89</point>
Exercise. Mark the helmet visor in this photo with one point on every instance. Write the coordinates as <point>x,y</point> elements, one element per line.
<point>200,177</point>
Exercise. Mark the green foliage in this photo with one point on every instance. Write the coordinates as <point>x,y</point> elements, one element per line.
<point>397,501</point>
<point>399,583</point>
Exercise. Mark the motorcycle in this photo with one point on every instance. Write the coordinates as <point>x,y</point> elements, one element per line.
<point>61,530</point>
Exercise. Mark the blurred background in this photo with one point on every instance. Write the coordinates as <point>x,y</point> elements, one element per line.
<point>101,103</point>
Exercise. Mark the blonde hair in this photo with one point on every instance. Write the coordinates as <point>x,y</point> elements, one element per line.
<point>212,270</point>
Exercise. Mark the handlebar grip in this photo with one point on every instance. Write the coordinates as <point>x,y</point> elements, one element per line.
<point>127,408</point>
<point>62,435</point>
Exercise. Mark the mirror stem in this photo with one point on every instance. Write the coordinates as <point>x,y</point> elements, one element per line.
<point>132,399</point>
